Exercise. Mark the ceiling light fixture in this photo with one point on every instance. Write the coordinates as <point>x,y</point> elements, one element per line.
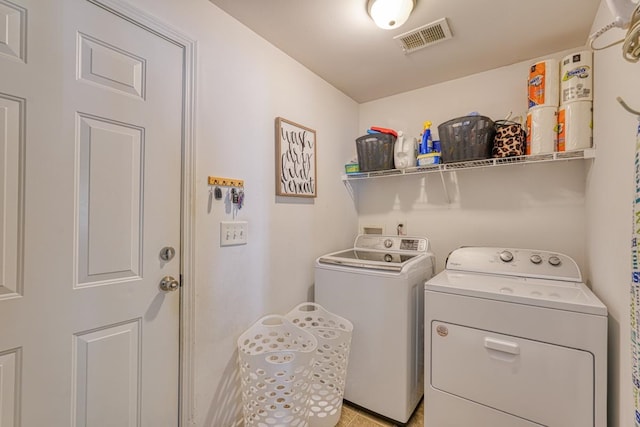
<point>390,14</point>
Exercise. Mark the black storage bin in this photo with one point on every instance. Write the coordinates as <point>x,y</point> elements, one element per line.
<point>466,138</point>
<point>375,151</point>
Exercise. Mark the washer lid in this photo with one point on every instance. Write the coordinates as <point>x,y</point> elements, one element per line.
<point>562,295</point>
<point>379,252</point>
<point>375,260</point>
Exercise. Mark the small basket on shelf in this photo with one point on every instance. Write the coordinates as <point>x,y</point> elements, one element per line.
<point>466,138</point>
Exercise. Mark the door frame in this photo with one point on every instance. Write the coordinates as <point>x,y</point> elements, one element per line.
<point>186,392</point>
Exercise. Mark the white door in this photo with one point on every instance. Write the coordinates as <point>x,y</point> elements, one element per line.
<point>90,181</point>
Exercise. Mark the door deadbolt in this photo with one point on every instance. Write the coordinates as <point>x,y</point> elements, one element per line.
<point>442,330</point>
<point>167,253</point>
<point>169,284</point>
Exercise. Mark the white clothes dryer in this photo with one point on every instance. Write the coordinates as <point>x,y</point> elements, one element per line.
<point>378,286</point>
<point>513,338</point>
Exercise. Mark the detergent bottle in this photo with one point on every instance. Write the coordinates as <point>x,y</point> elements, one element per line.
<point>404,152</point>
<point>426,146</point>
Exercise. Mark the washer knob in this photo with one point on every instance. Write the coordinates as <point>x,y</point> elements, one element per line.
<point>506,256</point>
<point>555,261</point>
<point>388,243</point>
<point>536,259</point>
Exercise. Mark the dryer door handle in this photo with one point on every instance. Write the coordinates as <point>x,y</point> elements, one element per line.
<point>503,346</point>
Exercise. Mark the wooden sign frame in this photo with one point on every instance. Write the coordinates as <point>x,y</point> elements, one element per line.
<point>296,172</point>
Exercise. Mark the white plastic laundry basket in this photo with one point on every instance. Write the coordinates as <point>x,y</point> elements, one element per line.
<point>276,361</point>
<point>330,366</point>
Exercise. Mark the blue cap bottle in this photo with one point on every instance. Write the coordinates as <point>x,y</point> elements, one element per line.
<point>426,146</point>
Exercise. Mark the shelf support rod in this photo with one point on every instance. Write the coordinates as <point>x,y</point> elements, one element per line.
<point>444,186</point>
<point>350,190</point>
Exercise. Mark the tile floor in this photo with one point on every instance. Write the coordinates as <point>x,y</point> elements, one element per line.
<point>353,417</point>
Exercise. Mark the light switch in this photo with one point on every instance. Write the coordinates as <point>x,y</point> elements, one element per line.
<point>233,233</point>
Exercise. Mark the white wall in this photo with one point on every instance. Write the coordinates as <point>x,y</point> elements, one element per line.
<point>243,84</point>
<point>539,206</point>
<point>610,191</point>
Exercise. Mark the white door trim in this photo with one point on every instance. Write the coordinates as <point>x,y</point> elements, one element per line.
<point>187,268</point>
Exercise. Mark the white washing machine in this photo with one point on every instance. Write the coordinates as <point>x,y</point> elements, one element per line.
<point>513,338</point>
<point>378,285</point>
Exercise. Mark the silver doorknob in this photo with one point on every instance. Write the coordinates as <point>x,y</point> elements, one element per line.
<point>169,284</point>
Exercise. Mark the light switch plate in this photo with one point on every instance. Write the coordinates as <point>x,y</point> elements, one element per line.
<point>233,233</point>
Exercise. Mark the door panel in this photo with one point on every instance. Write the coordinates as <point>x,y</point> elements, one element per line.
<point>9,382</point>
<point>90,190</point>
<point>11,194</point>
<point>108,358</point>
<point>110,204</point>
<point>12,30</point>
<point>110,67</point>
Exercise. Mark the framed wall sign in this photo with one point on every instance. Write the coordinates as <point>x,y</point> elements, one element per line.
<point>295,159</point>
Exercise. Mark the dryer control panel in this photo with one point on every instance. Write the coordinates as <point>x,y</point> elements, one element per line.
<point>515,262</point>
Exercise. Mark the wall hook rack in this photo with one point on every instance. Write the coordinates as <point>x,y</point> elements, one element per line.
<point>626,107</point>
<point>226,182</point>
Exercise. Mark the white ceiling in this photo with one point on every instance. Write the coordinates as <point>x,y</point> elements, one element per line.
<point>338,41</point>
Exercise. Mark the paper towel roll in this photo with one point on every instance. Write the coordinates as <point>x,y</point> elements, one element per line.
<point>542,135</point>
<point>575,126</point>
<point>544,84</point>
<point>577,77</point>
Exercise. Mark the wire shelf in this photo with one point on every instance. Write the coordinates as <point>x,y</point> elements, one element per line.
<point>475,164</point>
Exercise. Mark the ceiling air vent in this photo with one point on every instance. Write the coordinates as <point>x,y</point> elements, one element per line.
<point>424,36</point>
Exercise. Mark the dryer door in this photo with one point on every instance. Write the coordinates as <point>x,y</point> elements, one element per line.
<point>540,382</point>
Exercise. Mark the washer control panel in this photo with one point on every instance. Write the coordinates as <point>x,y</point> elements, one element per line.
<point>392,243</point>
<point>515,262</point>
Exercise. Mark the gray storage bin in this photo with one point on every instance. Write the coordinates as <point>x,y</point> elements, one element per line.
<point>466,138</point>
<point>375,152</point>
